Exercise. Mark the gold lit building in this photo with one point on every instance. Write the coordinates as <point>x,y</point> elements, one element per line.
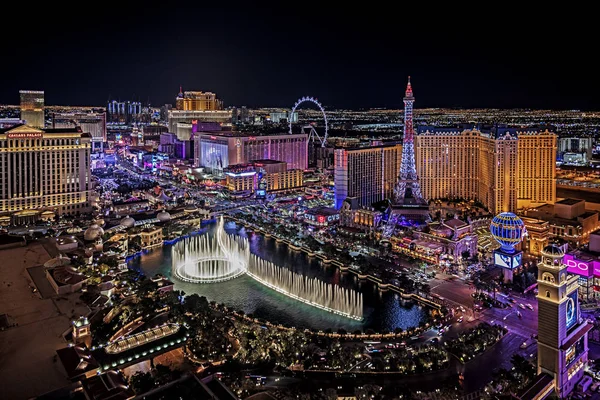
<point>537,172</point>
<point>44,169</point>
<point>198,101</point>
<point>32,108</point>
<point>367,173</point>
<point>501,169</point>
<point>275,176</point>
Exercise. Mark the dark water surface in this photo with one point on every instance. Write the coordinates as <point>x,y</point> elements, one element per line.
<point>382,310</point>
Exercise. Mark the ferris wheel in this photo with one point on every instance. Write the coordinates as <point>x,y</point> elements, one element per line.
<point>313,132</point>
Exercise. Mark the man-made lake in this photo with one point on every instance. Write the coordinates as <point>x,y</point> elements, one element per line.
<point>382,310</point>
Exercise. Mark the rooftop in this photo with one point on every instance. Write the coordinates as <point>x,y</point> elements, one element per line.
<point>569,201</point>
<point>322,210</point>
<point>190,387</point>
<point>76,360</point>
<point>109,385</point>
<point>455,223</point>
<point>588,214</point>
<point>585,255</point>
<point>229,134</point>
<point>267,161</point>
<point>538,385</point>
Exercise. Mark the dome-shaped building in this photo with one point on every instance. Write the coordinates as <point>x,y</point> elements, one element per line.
<point>163,216</point>
<point>553,251</point>
<point>93,232</point>
<point>128,222</point>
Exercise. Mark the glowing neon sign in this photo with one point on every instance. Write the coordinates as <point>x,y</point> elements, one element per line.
<point>583,268</point>
<point>24,135</point>
<point>578,267</point>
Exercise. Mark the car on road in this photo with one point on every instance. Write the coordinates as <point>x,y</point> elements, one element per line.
<point>511,300</point>
<point>523,345</point>
<point>522,305</point>
<point>519,314</point>
<point>460,319</point>
<point>529,306</point>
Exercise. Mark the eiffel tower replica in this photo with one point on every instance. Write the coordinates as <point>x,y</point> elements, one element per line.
<point>408,206</point>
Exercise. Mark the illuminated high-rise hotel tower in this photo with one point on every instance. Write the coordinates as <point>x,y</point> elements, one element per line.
<point>408,204</point>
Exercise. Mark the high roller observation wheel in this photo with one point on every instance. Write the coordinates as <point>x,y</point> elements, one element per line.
<point>315,102</point>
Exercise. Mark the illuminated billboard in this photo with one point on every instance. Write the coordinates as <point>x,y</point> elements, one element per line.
<point>579,267</point>
<point>510,261</point>
<point>571,310</point>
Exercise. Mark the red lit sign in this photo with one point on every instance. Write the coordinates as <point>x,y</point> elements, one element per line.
<point>213,137</point>
<point>251,138</point>
<point>321,219</point>
<point>24,135</point>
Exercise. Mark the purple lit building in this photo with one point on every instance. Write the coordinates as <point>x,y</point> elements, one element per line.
<point>219,149</point>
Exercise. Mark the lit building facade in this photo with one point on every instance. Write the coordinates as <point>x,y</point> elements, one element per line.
<point>44,169</point>
<point>124,112</point>
<point>198,101</point>
<point>240,178</point>
<point>268,175</point>
<point>575,145</point>
<point>356,220</point>
<point>92,123</point>
<point>442,243</point>
<point>504,168</point>
<point>367,173</point>
<point>215,151</point>
<point>321,216</point>
<point>538,235</point>
<point>586,266</point>
<point>568,220</point>
<point>537,168</point>
<point>32,108</point>
<point>190,117</point>
<point>562,333</point>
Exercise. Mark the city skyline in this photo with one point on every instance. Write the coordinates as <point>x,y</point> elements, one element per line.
<point>254,58</point>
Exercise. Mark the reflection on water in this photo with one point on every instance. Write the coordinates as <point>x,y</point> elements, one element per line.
<point>382,310</point>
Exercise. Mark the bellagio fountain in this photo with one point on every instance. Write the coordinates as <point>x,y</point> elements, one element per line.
<point>220,257</point>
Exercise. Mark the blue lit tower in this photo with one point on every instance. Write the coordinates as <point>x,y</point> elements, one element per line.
<point>408,206</point>
<point>508,230</point>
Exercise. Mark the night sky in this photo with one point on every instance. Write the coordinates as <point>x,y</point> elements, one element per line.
<point>273,53</point>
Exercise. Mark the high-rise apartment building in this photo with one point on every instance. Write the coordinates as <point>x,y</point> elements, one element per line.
<point>198,101</point>
<point>217,150</point>
<point>44,169</point>
<point>367,173</point>
<point>32,108</point>
<point>504,168</point>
